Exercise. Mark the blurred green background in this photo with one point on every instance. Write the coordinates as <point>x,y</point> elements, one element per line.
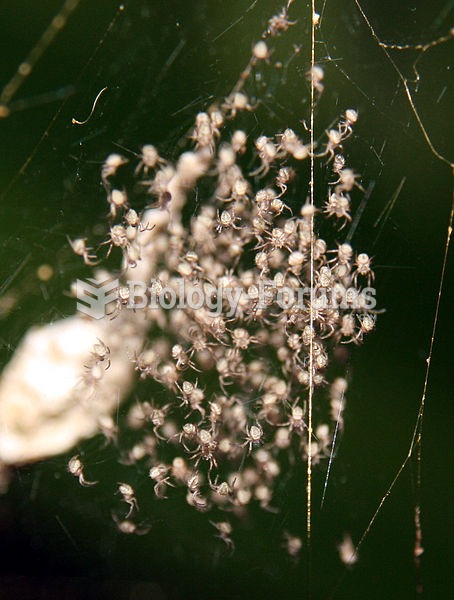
<point>163,62</point>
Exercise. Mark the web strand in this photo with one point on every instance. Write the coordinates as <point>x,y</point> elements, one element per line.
<point>404,82</point>
<point>27,66</point>
<point>311,322</point>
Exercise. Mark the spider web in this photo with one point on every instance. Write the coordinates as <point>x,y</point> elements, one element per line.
<point>393,66</point>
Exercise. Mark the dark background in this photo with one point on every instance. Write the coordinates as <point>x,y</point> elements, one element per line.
<point>58,539</point>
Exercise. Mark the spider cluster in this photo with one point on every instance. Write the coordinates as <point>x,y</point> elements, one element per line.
<point>232,386</point>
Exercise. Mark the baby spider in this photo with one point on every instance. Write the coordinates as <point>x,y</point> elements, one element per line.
<point>333,144</point>
<point>278,239</point>
<point>134,225</point>
<point>240,190</point>
<point>79,247</point>
<point>157,417</point>
<point>149,159</point>
<point>123,298</point>
<point>112,163</point>
<point>206,448</point>
<point>241,339</point>
<point>363,269</point>
<point>345,125</point>
<point>338,206</point>
<point>101,354</point>
<point>284,176</point>
<point>338,163</point>
<point>181,358</point>
<point>324,279</point>
<point>117,237</point>
<point>222,489</point>
<point>343,254</point>
<point>194,497</point>
<point>279,23</point>
<point>264,495</point>
<point>129,527</point>
<point>89,380</point>
<point>296,422</point>
<point>193,483</point>
<point>108,428</point>
<point>188,433</point>
<point>260,51</point>
<point>367,322</point>
<point>159,474</point>
<point>192,396</point>
<point>224,529</point>
<point>347,181</point>
<point>347,330</point>
<point>316,76</point>
<point>117,200</point>
<point>205,132</point>
<point>239,141</point>
<point>254,436</point>
<point>235,103</point>
<point>76,468</point>
<point>226,220</point>
<point>267,152</point>
<point>128,496</point>
<point>293,545</point>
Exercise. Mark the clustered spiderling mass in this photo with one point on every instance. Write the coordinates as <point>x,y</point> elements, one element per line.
<point>234,386</point>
